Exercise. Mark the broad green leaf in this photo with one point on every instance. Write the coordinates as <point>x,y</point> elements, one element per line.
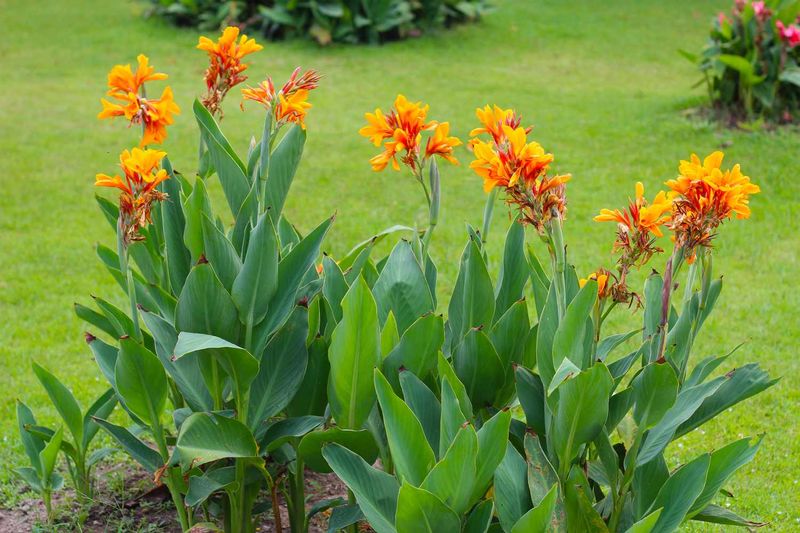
<point>282,166</point>
<point>257,282</point>
<point>64,402</point>
<point>647,482</point>
<point>539,282</point>
<point>607,345</point>
<point>220,253</point>
<point>417,349</point>
<point>312,444</point>
<point>32,444</point>
<point>195,205</point>
<point>510,336</point>
<point>686,404</point>
<point>580,513</point>
<point>452,479</point>
<point>654,392</point>
<point>545,335</point>
<point>287,429</point>
<point>478,367</point>
<point>30,476</point>
<point>334,286</point>
<point>140,381</point>
<point>402,289</point>
<point>421,511</point>
<point>480,518</point>
<point>492,439</point>
<point>530,391</point>
<point>376,492</point>
<point>204,306</point>
<point>202,487</point>
<point>281,370</point>
<point>511,496</point>
<point>445,369</point>
<point>206,437</point>
<point>472,303</point>
<point>238,363</point>
<point>102,407</point>
<point>679,493</point>
<point>138,450</point>
<point>424,404</point>
<point>354,354</point>
<point>390,337</point>
<point>568,342</point>
<point>311,397</point>
<point>48,457</point>
<point>230,169</point>
<point>452,417</point>
<point>714,514</point>
<point>541,474</point>
<point>646,524</point>
<point>412,456</point>
<point>514,271</point>
<point>581,412</point>
<point>538,519</point>
<point>652,304</point>
<point>173,222</point>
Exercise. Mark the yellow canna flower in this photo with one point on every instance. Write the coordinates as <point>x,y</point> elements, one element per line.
<point>601,276</point>
<point>441,144</point>
<point>225,65</point>
<point>122,80</point>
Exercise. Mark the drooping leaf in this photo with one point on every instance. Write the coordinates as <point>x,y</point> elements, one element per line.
<point>206,437</point>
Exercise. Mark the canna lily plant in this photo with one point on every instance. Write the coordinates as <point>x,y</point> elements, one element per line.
<point>245,359</point>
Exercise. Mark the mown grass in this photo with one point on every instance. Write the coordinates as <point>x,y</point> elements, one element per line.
<point>602,82</point>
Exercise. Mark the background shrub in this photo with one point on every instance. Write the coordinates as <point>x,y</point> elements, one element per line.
<point>347,21</point>
<point>751,61</point>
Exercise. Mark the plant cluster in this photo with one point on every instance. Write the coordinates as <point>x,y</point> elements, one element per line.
<point>751,63</point>
<point>244,360</point>
<point>326,21</point>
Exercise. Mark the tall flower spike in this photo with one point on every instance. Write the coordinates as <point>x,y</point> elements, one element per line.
<point>400,130</point>
<point>520,167</point>
<point>226,67</point>
<point>290,103</point>
<point>706,196</point>
<point>141,176</point>
<point>127,88</point>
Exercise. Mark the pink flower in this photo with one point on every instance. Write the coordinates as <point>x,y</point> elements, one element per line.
<point>721,18</point>
<point>788,34</point>
<point>760,9</point>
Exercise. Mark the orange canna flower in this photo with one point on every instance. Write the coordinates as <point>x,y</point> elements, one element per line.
<point>706,196</point>
<point>226,67</point>
<point>400,131</point>
<point>127,88</point>
<point>493,119</point>
<point>601,276</point>
<point>290,103</point>
<point>441,144</point>
<point>141,176</point>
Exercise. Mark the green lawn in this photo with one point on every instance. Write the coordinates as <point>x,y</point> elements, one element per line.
<point>601,80</point>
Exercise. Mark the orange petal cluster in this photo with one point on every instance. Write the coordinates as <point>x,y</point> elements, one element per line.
<point>126,87</point>
<point>601,276</point>
<point>141,175</point>
<point>705,196</point>
<point>290,104</point>
<point>400,131</point>
<point>226,66</point>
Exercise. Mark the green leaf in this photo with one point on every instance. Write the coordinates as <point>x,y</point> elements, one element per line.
<point>281,371</point>
<point>202,487</point>
<point>492,439</point>
<point>545,335</point>
<point>230,169</point>
<point>64,402</point>
<point>478,367</point>
<point>541,474</point>
<point>687,402</point>
<point>402,289</point>
<point>531,393</point>
<point>417,349</point>
<point>32,444</point>
<point>581,412</point>
<point>360,442</point>
<point>679,493</point>
<point>510,337</point>
<point>514,271</point>
<point>654,392</point>
<point>173,223</point>
<point>539,281</point>
<point>581,515</point>
<point>102,407</point>
<point>238,363</point>
<point>206,437</point>
<point>140,381</point>
<point>724,463</point>
<point>412,455</point>
<point>138,450</point>
<point>311,397</point>
<point>745,69</point>
<point>30,476</point>
<point>715,514</point>
<point>283,164</point>
<point>195,206</point>
<point>204,306</point>
<point>453,478</point>
<point>287,429</point>
<point>257,282</point>
<point>646,524</point>
<point>480,518</point>
<point>354,354</point>
<point>334,286</point>
<point>48,457</point>
<point>607,345</point>
<point>791,75</point>
<point>421,511</point>
<point>452,417</point>
<point>220,253</point>
<point>568,342</point>
<point>376,492</point>
<point>424,404</point>
<point>538,519</point>
<point>511,488</point>
<point>472,303</point>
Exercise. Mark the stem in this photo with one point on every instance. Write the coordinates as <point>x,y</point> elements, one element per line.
<point>559,261</point>
<point>122,250</point>
<point>351,499</point>
<point>172,482</point>
<point>434,200</point>
<point>276,509</point>
<point>297,507</point>
<point>48,508</point>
